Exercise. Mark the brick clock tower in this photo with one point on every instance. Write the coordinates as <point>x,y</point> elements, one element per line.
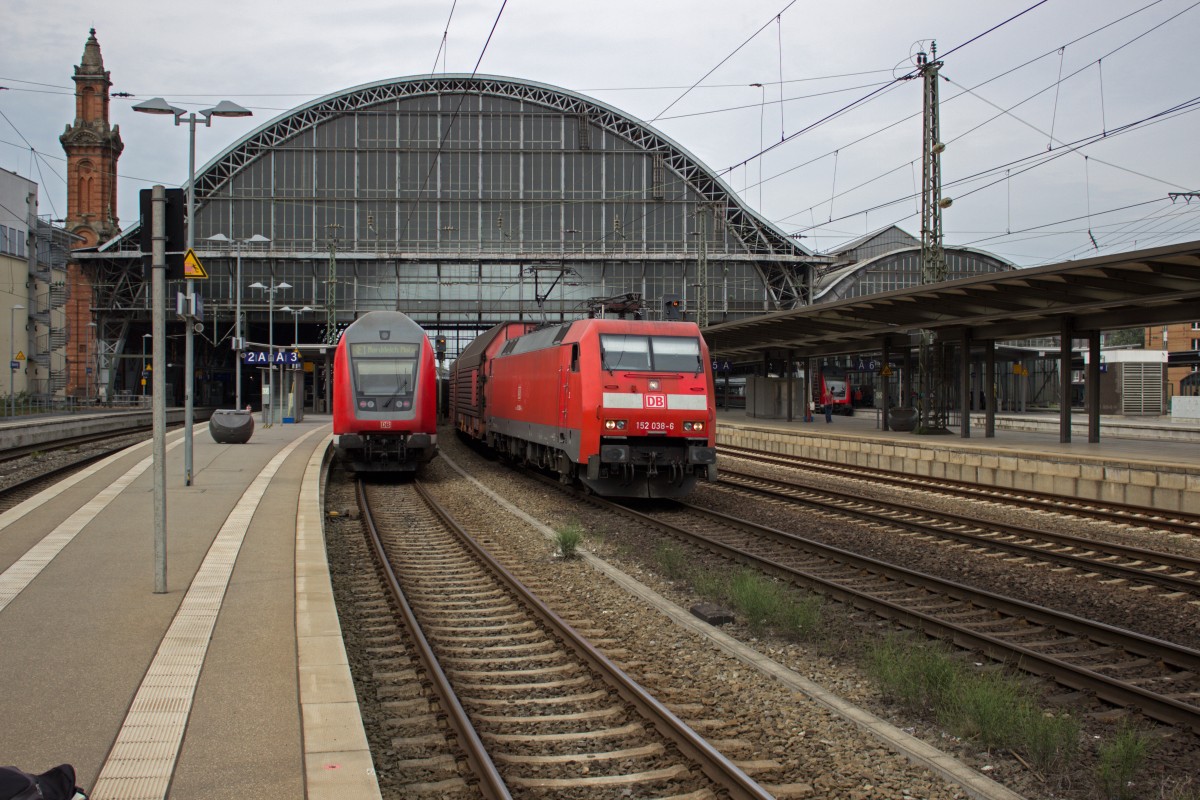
<point>93,147</point>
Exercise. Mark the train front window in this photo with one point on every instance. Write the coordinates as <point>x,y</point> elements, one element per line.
<point>650,353</point>
<point>384,369</point>
<point>625,352</point>
<point>385,377</point>
<point>676,354</point>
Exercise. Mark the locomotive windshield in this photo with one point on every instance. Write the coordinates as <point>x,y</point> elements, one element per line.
<point>650,353</point>
<point>384,369</point>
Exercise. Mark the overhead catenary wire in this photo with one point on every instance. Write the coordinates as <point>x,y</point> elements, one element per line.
<point>1005,73</point>
<point>32,150</point>
<point>847,170</point>
<point>1050,147</point>
<point>458,107</point>
<point>1184,107</point>
<point>1057,88</point>
<point>879,91</point>
<point>744,106</point>
<point>1146,233</point>
<point>779,30</point>
<point>670,105</point>
<point>443,47</point>
<point>1037,159</point>
<point>1087,189</point>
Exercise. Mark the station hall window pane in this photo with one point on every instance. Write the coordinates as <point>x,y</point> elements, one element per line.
<point>501,176</point>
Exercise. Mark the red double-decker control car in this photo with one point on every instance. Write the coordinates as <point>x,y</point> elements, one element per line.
<point>384,394</point>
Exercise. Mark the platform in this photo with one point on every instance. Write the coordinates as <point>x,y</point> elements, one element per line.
<point>232,684</point>
<point>1142,461</point>
<point>41,429</point>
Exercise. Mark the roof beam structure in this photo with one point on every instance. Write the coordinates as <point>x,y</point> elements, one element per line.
<point>779,260</point>
<point>1145,287</point>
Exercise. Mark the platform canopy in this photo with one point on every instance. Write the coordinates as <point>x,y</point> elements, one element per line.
<point>1144,287</point>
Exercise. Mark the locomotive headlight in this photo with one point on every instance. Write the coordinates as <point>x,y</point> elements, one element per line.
<point>693,426</point>
<point>614,424</point>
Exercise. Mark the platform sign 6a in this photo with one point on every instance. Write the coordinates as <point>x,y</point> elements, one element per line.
<point>654,401</point>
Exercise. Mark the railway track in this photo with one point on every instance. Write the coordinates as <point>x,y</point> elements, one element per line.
<point>1175,522</point>
<point>536,709</point>
<point>1169,572</point>
<point>1157,678</point>
<point>13,453</point>
<point>37,476</point>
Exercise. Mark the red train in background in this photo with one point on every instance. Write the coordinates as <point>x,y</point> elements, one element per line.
<point>384,395</point>
<point>624,406</point>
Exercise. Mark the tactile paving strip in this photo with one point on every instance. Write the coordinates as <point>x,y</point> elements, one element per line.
<point>22,572</point>
<point>141,762</point>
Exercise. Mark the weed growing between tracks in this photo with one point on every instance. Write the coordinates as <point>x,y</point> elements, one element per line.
<point>989,707</point>
<point>763,603</point>
<point>568,539</point>
<point>1121,758</point>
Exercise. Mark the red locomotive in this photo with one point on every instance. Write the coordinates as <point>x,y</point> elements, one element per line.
<point>624,406</point>
<point>384,395</point>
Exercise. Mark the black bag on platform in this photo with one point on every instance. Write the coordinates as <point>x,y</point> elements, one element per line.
<point>53,784</point>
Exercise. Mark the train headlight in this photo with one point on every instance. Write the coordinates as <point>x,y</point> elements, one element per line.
<point>693,426</point>
<point>614,424</point>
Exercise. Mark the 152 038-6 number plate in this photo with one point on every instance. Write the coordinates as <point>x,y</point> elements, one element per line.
<point>643,425</point>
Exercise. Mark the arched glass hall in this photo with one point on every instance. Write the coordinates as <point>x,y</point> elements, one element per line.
<point>466,201</point>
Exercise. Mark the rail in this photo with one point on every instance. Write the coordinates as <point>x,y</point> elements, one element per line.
<point>1182,663</point>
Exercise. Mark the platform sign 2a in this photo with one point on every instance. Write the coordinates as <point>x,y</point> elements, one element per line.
<point>263,358</point>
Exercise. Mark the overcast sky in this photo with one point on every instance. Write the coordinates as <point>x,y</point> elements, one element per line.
<point>1041,170</point>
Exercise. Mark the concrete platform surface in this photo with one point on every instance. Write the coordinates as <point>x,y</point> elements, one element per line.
<point>1155,465</point>
<point>1159,439</point>
<point>231,684</point>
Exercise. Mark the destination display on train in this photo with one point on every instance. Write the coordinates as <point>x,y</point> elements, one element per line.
<point>384,349</point>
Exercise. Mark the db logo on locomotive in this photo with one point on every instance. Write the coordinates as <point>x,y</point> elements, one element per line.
<point>655,401</point>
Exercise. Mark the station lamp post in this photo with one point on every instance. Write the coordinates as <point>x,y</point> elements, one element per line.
<point>270,290</point>
<point>239,343</point>
<point>12,371</point>
<point>296,312</point>
<point>224,108</point>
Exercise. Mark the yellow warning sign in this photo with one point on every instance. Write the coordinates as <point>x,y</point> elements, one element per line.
<point>192,268</point>
<point>20,356</point>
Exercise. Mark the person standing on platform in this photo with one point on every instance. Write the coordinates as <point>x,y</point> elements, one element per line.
<point>828,401</point>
